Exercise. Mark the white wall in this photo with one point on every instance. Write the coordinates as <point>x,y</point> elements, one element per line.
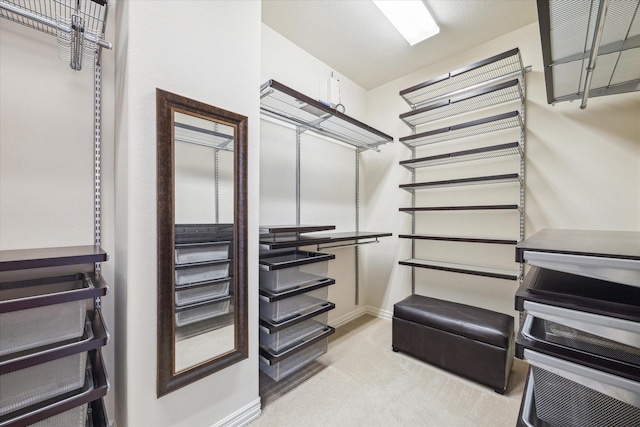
<point>582,172</point>
<point>327,168</point>
<point>46,153</point>
<point>207,51</point>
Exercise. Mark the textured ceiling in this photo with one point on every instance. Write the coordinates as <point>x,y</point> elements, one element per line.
<point>356,40</point>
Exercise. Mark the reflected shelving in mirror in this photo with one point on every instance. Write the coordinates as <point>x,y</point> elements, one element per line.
<point>202,282</point>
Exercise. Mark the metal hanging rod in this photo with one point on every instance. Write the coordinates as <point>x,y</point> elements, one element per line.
<point>346,245</point>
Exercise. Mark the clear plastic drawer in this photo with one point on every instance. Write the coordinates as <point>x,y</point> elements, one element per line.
<point>205,291</point>
<point>294,334</point>
<point>201,311</point>
<point>195,273</point>
<point>291,269</point>
<point>280,370</point>
<point>278,311</point>
<point>37,383</point>
<point>201,252</point>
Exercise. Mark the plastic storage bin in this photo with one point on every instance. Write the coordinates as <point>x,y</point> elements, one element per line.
<point>295,334</point>
<point>34,327</point>
<point>285,367</point>
<point>74,417</point>
<point>201,252</point>
<point>41,382</point>
<point>201,311</point>
<point>194,273</point>
<point>202,292</point>
<point>283,271</point>
<point>278,311</point>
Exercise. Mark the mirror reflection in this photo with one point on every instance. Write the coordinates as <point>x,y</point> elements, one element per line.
<point>204,204</point>
<point>202,235</point>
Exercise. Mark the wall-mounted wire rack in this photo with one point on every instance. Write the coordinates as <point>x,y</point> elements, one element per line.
<point>498,68</point>
<point>306,114</point>
<point>512,119</point>
<point>284,103</point>
<point>472,101</point>
<point>494,83</point>
<point>78,25</point>
<point>577,36</point>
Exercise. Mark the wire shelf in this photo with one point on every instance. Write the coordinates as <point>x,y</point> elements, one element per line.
<point>476,127</point>
<point>206,137</point>
<point>483,98</point>
<point>482,153</point>
<point>504,65</point>
<point>284,103</point>
<point>480,180</point>
<point>78,25</point>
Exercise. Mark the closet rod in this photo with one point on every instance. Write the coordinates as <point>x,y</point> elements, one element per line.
<point>50,23</point>
<point>593,57</point>
<point>346,245</point>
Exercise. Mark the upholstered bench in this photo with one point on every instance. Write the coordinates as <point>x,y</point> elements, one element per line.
<point>469,341</point>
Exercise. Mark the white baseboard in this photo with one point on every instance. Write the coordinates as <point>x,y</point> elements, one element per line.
<point>346,318</point>
<point>242,416</point>
<point>380,313</point>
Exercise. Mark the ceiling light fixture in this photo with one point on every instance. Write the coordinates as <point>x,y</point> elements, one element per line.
<point>410,17</point>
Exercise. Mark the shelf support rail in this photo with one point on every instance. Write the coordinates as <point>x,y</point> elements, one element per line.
<point>593,56</point>
<point>357,250</point>
<point>298,139</point>
<point>97,152</point>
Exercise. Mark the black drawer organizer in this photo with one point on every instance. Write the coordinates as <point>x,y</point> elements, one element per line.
<point>203,278</point>
<point>293,299</point>
<point>51,335</point>
<point>581,328</point>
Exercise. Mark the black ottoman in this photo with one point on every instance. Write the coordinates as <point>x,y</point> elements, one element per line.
<point>469,341</point>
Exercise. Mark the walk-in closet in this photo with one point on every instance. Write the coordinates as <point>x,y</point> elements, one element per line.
<point>299,213</point>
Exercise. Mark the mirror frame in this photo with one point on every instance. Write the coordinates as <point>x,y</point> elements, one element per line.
<point>166,104</point>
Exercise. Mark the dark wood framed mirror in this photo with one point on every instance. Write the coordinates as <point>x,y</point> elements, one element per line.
<point>202,239</point>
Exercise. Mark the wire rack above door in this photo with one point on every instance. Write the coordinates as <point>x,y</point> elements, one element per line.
<point>78,25</point>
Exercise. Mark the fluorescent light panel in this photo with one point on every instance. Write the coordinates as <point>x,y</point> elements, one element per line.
<point>410,17</point>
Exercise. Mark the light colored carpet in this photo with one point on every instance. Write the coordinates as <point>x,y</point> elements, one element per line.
<point>360,381</point>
